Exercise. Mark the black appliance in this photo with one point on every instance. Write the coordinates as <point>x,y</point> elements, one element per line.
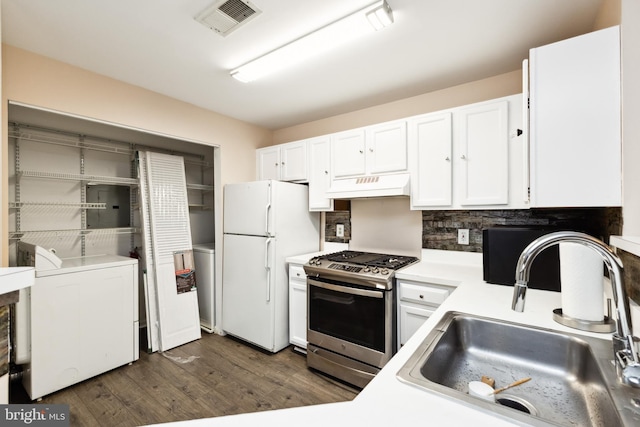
<point>501,248</point>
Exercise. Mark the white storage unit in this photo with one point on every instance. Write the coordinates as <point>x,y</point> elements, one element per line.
<point>319,173</point>
<point>470,157</point>
<point>283,162</point>
<point>79,320</point>
<point>416,302</point>
<point>12,280</point>
<point>297,306</point>
<point>575,121</point>
<point>377,149</point>
<point>203,257</point>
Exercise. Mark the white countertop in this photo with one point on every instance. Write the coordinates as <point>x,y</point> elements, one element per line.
<point>386,400</point>
<point>630,244</point>
<point>444,268</point>
<point>15,278</point>
<point>329,247</point>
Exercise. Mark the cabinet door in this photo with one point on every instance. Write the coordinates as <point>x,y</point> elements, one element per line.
<point>575,121</point>
<point>297,306</point>
<point>268,163</point>
<point>411,318</point>
<point>347,153</point>
<point>293,161</point>
<point>386,146</point>
<point>319,174</point>
<point>482,157</point>
<point>430,139</point>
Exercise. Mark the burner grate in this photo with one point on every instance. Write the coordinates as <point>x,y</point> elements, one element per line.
<point>392,262</point>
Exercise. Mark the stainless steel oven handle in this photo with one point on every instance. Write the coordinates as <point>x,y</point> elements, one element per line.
<point>346,289</point>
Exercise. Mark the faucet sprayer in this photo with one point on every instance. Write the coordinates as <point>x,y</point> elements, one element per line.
<point>625,354</point>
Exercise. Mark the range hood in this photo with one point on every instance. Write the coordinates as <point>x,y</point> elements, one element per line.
<point>370,186</point>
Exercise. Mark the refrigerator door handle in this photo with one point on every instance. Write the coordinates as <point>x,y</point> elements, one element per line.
<point>267,212</point>
<point>267,267</point>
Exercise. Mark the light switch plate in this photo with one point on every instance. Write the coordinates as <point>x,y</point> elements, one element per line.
<point>339,230</point>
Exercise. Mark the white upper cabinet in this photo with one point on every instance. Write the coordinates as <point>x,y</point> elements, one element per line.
<point>482,154</point>
<point>430,144</point>
<point>386,147</point>
<point>268,163</point>
<point>348,153</point>
<point>284,162</point>
<point>575,121</point>
<point>319,173</point>
<point>376,149</point>
<point>469,157</point>
<point>293,157</point>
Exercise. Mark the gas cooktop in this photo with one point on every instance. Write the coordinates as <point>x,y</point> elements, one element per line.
<point>358,267</point>
<point>391,262</point>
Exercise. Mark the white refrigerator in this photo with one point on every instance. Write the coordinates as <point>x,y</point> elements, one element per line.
<point>264,223</point>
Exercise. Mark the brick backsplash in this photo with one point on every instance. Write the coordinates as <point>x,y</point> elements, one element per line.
<point>440,229</point>
<point>334,218</point>
<point>631,265</point>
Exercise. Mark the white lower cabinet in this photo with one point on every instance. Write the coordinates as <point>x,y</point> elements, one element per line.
<point>416,302</point>
<point>297,306</point>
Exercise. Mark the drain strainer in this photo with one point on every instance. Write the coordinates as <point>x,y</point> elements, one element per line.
<point>517,403</point>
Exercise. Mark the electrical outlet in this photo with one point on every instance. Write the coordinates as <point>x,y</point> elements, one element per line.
<point>339,230</point>
<point>463,236</point>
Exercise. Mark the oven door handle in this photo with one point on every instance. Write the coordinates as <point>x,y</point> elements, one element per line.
<point>346,289</point>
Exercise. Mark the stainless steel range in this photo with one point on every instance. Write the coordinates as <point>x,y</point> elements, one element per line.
<point>351,326</point>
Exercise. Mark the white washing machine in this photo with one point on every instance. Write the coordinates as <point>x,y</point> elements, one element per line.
<point>78,320</point>
<point>204,260</point>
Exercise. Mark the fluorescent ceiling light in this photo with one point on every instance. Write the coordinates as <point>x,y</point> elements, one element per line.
<point>371,18</point>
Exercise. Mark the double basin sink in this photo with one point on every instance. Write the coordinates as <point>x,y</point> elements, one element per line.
<point>573,381</point>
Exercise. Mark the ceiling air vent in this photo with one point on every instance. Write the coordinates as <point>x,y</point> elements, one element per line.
<point>225,16</point>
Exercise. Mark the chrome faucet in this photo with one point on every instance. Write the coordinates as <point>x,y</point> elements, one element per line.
<point>625,353</point>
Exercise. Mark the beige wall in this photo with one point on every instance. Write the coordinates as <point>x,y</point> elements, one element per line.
<point>609,14</point>
<point>481,90</point>
<point>35,80</point>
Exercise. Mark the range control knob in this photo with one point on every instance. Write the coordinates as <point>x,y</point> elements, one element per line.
<point>384,271</point>
<point>366,269</point>
<point>375,270</point>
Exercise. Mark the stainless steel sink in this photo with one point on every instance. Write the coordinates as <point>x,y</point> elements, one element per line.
<point>573,382</point>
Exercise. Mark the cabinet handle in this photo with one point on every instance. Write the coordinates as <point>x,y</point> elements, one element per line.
<point>277,164</point>
<point>360,151</point>
<point>282,163</point>
<point>371,150</point>
<point>447,159</point>
<point>326,172</point>
<point>463,157</point>
<point>421,296</point>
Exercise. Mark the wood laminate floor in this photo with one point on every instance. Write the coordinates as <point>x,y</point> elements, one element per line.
<point>209,377</point>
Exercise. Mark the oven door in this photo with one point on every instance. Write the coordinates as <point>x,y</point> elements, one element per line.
<point>352,321</point>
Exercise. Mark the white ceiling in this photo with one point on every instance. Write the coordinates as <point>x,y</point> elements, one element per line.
<point>158,45</point>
